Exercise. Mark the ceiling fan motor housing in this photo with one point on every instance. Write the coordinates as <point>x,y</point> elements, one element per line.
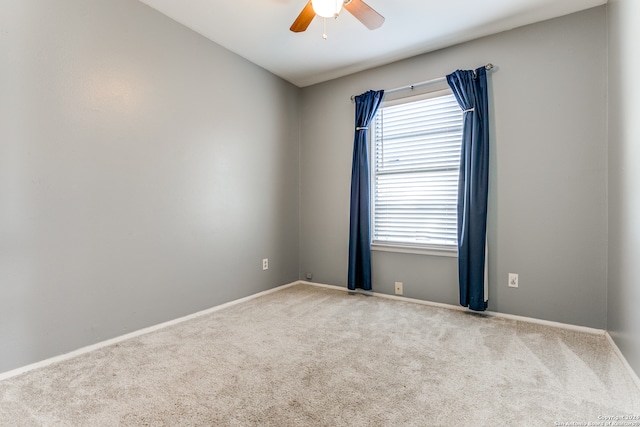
<point>327,8</point>
<point>331,8</point>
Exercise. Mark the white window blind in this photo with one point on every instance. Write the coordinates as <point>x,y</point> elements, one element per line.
<point>415,181</point>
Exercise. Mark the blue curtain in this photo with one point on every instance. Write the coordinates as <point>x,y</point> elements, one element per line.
<point>359,225</point>
<point>470,89</point>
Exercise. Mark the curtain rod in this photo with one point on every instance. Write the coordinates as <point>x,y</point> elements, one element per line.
<point>425,83</point>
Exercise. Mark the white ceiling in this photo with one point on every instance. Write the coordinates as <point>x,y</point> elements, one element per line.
<point>258,30</point>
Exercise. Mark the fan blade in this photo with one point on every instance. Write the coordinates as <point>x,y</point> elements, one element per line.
<point>304,19</point>
<point>365,14</point>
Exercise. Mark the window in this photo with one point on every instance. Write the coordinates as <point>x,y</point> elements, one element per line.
<point>416,157</point>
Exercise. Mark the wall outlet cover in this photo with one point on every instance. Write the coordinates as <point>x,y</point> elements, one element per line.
<point>513,280</point>
<point>398,288</point>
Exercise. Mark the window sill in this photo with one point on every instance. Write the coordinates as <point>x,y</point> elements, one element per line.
<point>420,250</point>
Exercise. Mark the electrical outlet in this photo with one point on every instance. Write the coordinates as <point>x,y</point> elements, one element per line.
<point>513,280</point>
<point>398,288</point>
<point>265,264</point>
<point>309,276</point>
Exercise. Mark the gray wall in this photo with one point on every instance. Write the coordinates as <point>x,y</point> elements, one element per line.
<point>548,214</point>
<point>144,174</point>
<point>623,296</point>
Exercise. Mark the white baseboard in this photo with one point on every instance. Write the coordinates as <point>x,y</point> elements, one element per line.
<point>550,323</point>
<point>377,294</point>
<point>102,344</point>
<point>623,359</point>
<point>460,308</point>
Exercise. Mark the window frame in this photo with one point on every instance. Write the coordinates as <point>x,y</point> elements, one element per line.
<point>404,247</point>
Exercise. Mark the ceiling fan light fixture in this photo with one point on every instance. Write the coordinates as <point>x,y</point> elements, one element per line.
<point>327,8</point>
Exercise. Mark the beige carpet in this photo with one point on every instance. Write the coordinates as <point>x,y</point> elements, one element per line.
<point>309,356</point>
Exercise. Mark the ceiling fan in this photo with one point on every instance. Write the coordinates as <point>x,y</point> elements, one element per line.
<point>331,8</point>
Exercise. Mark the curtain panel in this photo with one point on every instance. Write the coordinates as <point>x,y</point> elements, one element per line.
<point>359,275</point>
<point>470,89</point>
